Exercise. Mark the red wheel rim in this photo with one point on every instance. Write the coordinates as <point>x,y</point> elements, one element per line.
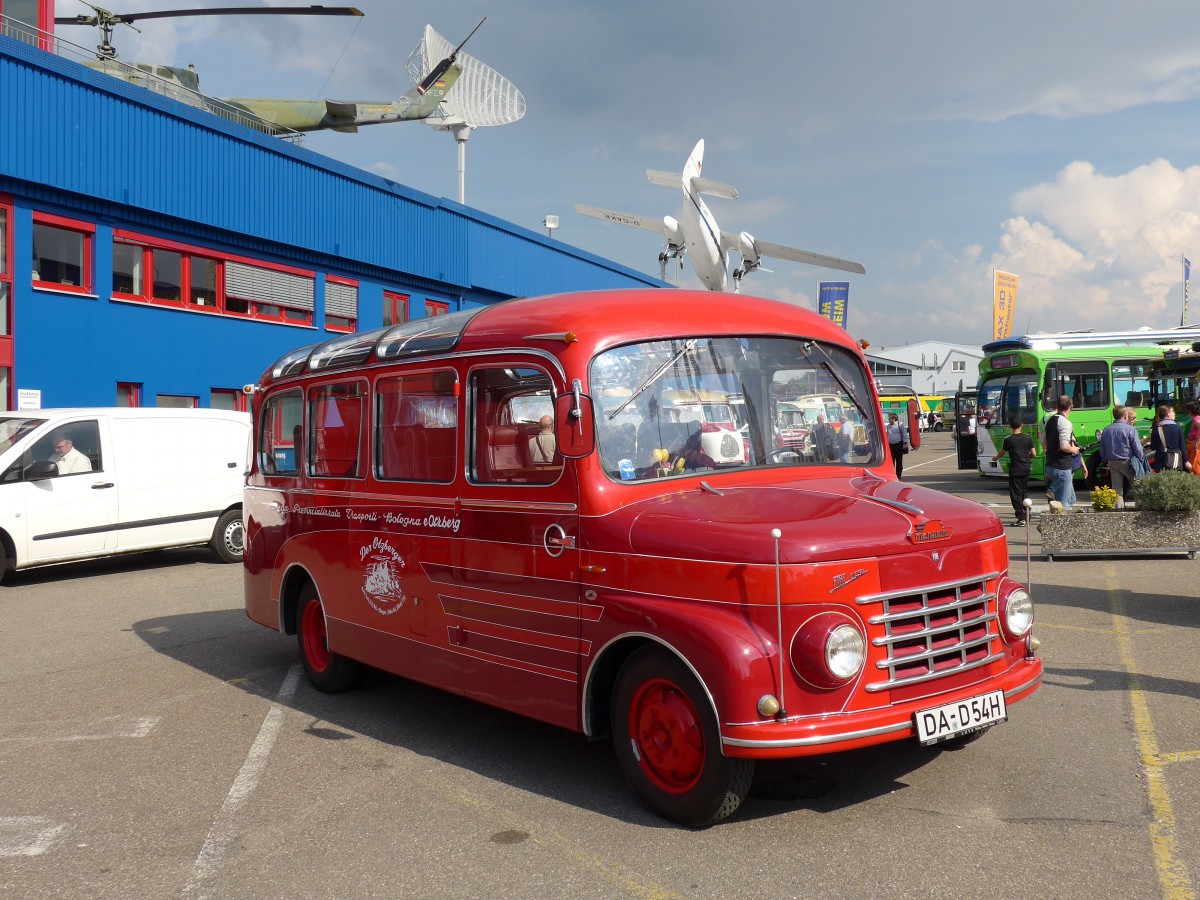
<point>316,646</point>
<point>667,736</point>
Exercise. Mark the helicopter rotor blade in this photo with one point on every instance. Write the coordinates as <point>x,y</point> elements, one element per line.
<point>126,18</point>
<point>440,69</point>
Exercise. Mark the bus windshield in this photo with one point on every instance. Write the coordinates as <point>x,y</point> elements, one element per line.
<point>689,406</point>
<point>1004,395</point>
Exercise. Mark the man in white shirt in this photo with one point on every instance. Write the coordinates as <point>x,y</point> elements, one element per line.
<point>70,461</point>
<point>541,445</point>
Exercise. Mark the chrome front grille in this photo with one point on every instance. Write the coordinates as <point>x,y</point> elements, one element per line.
<point>934,632</point>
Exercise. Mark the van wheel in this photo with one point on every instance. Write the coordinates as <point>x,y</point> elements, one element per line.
<point>229,537</point>
<point>668,744</point>
<point>330,673</point>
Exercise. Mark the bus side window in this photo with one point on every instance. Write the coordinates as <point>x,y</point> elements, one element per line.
<point>416,436</point>
<point>279,434</point>
<point>335,419</point>
<point>508,407</point>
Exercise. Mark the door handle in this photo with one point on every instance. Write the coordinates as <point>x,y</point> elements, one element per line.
<point>555,540</point>
<point>101,485</point>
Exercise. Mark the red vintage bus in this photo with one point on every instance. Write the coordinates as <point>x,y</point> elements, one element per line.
<point>499,502</point>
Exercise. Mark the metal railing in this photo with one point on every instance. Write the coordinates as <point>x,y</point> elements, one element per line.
<point>132,74</point>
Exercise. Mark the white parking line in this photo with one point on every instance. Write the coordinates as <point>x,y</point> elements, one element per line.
<point>225,827</point>
<point>100,730</point>
<point>27,835</point>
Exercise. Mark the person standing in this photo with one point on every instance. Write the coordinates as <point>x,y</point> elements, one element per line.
<point>1119,446</point>
<point>897,438</point>
<point>1020,449</point>
<point>1191,434</point>
<point>1062,451</point>
<point>1166,440</point>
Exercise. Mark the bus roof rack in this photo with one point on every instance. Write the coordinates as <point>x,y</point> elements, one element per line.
<point>1142,337</point>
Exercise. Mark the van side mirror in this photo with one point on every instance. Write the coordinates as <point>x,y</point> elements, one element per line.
<point>574,423</point>
<point>914,424</point>
<point>41,470</point>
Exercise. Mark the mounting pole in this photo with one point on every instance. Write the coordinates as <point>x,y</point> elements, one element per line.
<point>461,132</point>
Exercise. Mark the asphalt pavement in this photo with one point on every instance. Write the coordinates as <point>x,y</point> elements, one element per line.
<point>155,743</point>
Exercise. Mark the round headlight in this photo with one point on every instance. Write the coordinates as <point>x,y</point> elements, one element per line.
<point>844,652</point>
<point>1018,612</point>
<point>828,650</point>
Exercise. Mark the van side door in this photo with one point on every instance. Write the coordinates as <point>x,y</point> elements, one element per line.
<point>516,616</point>
<point>74,514</point>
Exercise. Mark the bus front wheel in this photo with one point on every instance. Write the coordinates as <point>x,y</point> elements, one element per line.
<point>668,744</point>
<point>329,672</point>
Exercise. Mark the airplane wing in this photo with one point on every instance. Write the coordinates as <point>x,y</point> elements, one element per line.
<point>646,223</point>
<point>779,251</point>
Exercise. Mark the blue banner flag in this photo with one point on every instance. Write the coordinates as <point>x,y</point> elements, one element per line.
<point>832,298</point>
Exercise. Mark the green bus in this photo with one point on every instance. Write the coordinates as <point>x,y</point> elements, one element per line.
<point>1097,370</point>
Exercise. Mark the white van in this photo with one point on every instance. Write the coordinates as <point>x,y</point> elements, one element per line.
<point>83,483</point>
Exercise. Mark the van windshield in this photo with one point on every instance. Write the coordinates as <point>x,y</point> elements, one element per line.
<point>13,428</point>
<point>693,405</point>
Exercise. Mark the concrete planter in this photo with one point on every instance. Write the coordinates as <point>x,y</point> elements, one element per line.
<point>1084,532</point>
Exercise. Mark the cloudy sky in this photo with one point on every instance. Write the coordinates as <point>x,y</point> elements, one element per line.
<point>931,141</point>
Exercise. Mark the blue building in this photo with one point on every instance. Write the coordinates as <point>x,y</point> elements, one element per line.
<point>152,253</point>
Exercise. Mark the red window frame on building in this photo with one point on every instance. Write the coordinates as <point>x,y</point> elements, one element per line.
<point>236,399</point>
<point>130,392</point>
<point>341,323</point>
<point>213,300</point>
<point>436,308</point>
<point>6,296</point>
<point>87,231</point>
<point>395,308</point>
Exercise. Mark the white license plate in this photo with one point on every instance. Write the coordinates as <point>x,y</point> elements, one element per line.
<point>944,722</point>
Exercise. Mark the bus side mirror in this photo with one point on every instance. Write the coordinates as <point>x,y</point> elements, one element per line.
<point>574,424</point>
<point>914,424</point>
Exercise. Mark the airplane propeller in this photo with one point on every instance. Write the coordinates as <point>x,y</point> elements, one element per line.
<point>106,20</point>
<point>440,69</point>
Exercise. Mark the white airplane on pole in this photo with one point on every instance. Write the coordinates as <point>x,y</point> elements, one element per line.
<point>696,233</point>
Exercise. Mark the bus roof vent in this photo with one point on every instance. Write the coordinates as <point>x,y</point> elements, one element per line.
<point>433,334</point>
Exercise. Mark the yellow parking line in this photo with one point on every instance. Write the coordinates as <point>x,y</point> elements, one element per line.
<point>1181,756</point>
<point>1172,873</point>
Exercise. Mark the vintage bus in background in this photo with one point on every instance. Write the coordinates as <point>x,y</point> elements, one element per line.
<point>704,613</point>
<point>895,399</point>
<point>1097,370</point>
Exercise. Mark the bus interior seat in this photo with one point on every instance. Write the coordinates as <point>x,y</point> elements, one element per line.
<point>502,454</point>
<point>1139,399</point>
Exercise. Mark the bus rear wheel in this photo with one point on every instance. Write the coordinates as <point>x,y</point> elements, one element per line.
<point>668,744</point>
<point>329,672</point>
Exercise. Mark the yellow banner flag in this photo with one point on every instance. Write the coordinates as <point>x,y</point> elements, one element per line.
<point>1004,299</point>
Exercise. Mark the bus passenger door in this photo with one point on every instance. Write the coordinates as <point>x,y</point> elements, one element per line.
<point>516,619</point>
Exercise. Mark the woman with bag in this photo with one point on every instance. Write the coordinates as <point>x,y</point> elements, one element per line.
<point>1166,440</point>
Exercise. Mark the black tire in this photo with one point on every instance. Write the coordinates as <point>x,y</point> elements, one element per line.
<point>668,744</point>
<point>228,541</point>
<point>330,673</point>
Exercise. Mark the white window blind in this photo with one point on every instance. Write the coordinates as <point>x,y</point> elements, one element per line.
<point>268,286</point>
<point>341,300</point>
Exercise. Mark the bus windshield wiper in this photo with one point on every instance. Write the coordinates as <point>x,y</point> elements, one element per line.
<point>830,366</point>
<point>686,348</point>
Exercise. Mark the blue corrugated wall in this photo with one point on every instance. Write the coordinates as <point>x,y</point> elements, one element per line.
<point>86,145</point>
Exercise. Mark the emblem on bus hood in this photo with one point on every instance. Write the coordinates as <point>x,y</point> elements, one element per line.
<point>929,531</point>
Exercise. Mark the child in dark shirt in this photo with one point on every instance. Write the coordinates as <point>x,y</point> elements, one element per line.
<point>1020,449</point>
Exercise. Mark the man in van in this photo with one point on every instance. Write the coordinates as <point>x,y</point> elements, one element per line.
<point>69,460</point>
